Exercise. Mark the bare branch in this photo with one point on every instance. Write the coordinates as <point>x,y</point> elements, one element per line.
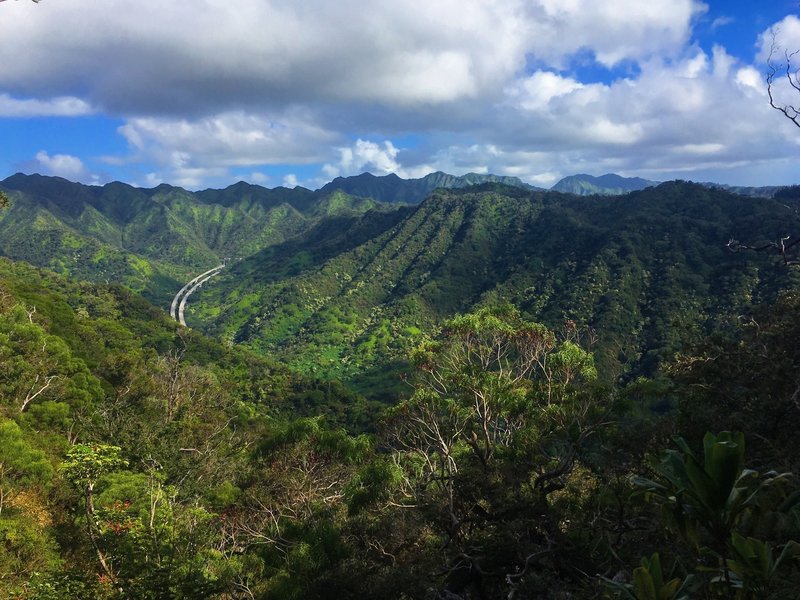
<point>32,395</point>
<point>792,74</point>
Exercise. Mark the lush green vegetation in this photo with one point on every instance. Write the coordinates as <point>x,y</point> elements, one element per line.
<point>598,399</point>
<point>141,460</point>
<point>153,240</point>
<point>648,272</point>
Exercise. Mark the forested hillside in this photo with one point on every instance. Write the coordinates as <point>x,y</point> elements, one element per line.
<point>570,397</point>
<point>153,240</point>
<point>141,460</point>
<point>647,272</point>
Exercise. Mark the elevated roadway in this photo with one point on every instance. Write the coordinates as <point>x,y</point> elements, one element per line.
<point>178,306</point>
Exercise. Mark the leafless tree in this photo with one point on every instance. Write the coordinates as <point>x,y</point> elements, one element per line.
<point>780,65</point>
<point>786,68</point>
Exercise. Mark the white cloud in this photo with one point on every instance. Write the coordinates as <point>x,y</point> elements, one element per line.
<point>189,153</point>
<point>779,46</point>
<point>258,177</point>
<point>613,30</point>
<point>379,159</point>
<point>696,115</point>
<point>290,181</point>
<point>64,106</point>
<point>61,165</point>
<point>750,78</point>
<point>216,55</point>
<point>488,85</point>
<point>722,22</point>
<point>537,91</point>
<point>229,139</point>
<point>782,36</point>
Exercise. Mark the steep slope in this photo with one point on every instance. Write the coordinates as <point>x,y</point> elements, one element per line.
<point>647,271</point>
<point>96,372</point>
<point>153,240</point>
<point>605,185</point>
<point>103,329</point>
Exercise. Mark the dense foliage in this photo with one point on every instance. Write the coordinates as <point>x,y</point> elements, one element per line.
<point>153,240</point>
<point>142,460</point>
<point>648,272</point>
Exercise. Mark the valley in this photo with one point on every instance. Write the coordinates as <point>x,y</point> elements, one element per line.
<point>364,376</point>
<point>343,286</point>
<point>399,300</point>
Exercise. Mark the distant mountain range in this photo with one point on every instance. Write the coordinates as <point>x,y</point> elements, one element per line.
<point>614,185</point>
<point>152,239</point>
<point>393,189</point>
<point>605,185</point>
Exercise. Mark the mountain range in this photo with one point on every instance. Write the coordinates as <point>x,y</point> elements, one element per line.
<point>386,397</point>
<point>342,281</point>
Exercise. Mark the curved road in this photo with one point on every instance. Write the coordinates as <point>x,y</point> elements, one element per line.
<point>178,305</point>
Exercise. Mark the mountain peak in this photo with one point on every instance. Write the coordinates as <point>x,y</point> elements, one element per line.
<point>609,184</point>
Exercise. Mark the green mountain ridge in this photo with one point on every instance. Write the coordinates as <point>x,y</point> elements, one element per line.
<point>153,240</point>
<point>341,285</point>
<point>647,271</point>
<point>391,188</point>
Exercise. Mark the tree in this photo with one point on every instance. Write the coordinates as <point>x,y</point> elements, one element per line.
<point>746,379</point>
<point>778,71</point>
<point>85,464</point>
<point>21,465</point>
<point>36,366</point>
<point>501,414</point>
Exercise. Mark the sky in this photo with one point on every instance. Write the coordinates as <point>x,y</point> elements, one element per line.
<point>204,93</point>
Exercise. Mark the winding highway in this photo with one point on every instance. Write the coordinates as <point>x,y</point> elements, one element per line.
<point>178,306</point>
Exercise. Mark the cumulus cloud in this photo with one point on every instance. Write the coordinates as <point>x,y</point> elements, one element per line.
<point>365,155</point>
<point>220,54</point>
<point>613,30</point>
<point>491,85</point>
<point>380,159</point>
<point>61,165</point>
<point>258,177</point>
<point>781,37</point>
<point>189,152</point>
<point>700,114</point>
<point>290,181</point>
<point>700,101</point>
<point>230,139</point>
<point>779,47</point>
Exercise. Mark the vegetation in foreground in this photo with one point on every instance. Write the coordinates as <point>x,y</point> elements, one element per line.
<point>140,460</point>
